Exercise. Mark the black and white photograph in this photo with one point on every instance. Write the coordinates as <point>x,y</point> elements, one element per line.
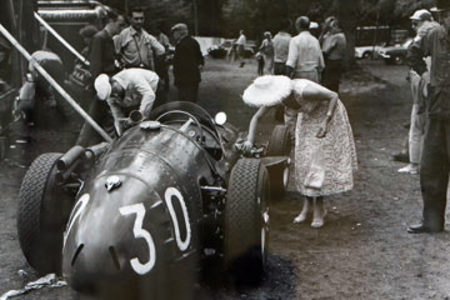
<point>224,149</point>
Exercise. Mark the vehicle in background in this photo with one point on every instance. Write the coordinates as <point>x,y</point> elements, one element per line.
<point>221,51</point>
<point>366,51</point>
<point>394,54</point>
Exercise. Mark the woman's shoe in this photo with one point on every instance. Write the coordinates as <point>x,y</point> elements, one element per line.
<point>300,218</point>
<point>318,221</point>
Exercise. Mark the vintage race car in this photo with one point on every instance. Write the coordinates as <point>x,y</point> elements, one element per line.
<point>145,216</point>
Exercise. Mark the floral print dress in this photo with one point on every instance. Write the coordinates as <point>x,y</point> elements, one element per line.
<point>335,153</point>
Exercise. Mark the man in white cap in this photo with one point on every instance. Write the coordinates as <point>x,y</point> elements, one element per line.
<point>129,90</point>
<point>435,163</point>
<point>421,22</point>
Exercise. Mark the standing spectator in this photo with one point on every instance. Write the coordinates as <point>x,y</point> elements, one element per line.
<point>188,62</point>
<point>422,22</point>
<point>305,60</point>
<point>281,49</point>
<point>102,56</point>
<point>129,90</point>
<point>334,47</point>
<point>435,164</point>
<point>260,61</point>
<point>325,155</point>
<point>240,45</point>
<point>102,60</point>
<point>267,51</point>
<point>135,46</point>
<point>87,33</point>
<point>162,67</point>
<point>80,80</point>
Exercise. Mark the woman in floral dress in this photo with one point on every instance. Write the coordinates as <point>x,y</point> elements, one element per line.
<point>325,155</point>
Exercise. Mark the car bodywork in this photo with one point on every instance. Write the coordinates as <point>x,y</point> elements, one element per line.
<point>170,197</point>
<point>221,51</point>
<point>366,51</point>
<point>394,54</point>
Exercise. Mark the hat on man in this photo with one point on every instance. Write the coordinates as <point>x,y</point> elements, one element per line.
<point>268,90</point>
<point>179,26</point>
<point>441,5</point>
<point>102,87</point>
<point>421,15</point>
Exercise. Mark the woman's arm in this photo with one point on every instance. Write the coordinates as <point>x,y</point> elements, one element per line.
<point>314,91</point>
<point>253,125</point>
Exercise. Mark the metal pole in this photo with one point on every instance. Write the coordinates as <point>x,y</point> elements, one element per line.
<point>54,84</point>
<point>61,39</point>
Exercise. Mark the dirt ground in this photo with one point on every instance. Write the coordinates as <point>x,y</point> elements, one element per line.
<point>362,252</point>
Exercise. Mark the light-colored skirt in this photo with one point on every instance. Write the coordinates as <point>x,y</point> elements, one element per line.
<point>335,153</point>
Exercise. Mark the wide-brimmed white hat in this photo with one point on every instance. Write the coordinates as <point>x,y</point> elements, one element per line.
<point>102,86</point>
<point>268,90</point>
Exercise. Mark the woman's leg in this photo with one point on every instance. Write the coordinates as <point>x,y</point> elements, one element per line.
<point>319,213</point>
<point>307,203</point>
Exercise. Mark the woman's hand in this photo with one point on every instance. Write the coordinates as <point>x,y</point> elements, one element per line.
<point>247,146</point>
<point>322,132</point>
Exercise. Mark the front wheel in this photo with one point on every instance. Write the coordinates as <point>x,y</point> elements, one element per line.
<point>247,221</point>
<point>44,209</point>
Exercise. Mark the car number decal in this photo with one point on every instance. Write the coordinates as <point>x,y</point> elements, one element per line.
<point>76,212</point>
<point>168,196</point>
<point>139,232</point>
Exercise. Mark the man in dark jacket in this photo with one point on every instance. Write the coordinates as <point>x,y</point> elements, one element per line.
<point>435,163</point>
<point>102,61</point>
<point>188,62</point>
<point>102,55</point>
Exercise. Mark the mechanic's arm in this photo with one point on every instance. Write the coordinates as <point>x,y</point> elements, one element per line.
<point>248,144</point>
<point>117,114</point>
<point>148,98</point>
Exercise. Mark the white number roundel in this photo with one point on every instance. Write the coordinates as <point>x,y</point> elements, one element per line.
<point>170,193</point>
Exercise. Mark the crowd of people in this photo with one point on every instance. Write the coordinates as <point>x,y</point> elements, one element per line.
<point>128,73</point>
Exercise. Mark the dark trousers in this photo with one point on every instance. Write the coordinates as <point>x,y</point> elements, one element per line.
<point>332,74</point>
<point>188,92</point>
<point>434,173</point>
<point>101,113</point>
<point>279,69</point>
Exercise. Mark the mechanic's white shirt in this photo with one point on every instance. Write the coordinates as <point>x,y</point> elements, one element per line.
<point>140,86</point>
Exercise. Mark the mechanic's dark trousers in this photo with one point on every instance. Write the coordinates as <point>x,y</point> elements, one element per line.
<point>100,112</point>
<point>332,74</point>
<point>434,173</point>
<point>188,92</point>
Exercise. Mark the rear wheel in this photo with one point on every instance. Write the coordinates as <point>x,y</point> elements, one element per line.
<point>398,60</point>
<point>280,142</point>
<point>247,221</point>
<point>43,211</point>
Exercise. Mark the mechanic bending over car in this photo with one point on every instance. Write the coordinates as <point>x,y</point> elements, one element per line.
<point>130,94</point>
<point>325,155</point>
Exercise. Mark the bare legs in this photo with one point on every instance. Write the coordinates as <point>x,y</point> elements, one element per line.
<point>318,211</point>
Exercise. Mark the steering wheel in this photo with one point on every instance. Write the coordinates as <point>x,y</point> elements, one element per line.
<point>192,117</point>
